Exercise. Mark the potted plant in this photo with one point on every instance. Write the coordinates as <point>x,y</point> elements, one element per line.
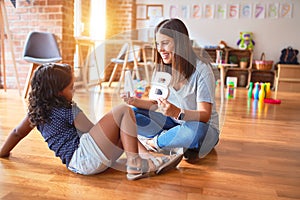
<point>233,59</point>
<point>244,62</point>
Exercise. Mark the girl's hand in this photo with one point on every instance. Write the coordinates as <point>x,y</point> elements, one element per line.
<point>127,98</point>
<point>15,136</point>
<point>167,108</point>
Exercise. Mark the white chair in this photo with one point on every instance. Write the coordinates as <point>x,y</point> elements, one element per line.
<point>128,54</point>
<point>147,60</point>
<point>40,48</point>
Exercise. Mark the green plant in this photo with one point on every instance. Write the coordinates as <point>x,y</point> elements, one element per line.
<point>244,62</point>
<point>233,59</point>
<point>244,59</point>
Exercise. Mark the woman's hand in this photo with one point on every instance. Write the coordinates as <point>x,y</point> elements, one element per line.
<point>202,114</point>
<point>127,98</point>
<point>139,103</point>
<point>167,108</point>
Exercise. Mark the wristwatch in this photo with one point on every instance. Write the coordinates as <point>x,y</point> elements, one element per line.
<point>181,114</point>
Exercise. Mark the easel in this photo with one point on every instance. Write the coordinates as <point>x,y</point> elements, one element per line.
<point>4,28</point>
<point>84,63</point>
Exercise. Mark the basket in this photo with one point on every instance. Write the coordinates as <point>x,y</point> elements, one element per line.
<point>263,64</point>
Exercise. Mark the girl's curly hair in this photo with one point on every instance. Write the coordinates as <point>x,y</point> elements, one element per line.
<point>48,80</point>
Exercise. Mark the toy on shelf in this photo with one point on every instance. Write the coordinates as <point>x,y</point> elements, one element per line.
<point>223,44</point>
<point>246,41</point>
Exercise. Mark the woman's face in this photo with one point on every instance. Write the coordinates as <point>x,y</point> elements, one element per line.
<point>165,46</point>
<point>68,91</point>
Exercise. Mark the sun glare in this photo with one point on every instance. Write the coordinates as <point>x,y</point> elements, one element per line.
<point>97,20</point>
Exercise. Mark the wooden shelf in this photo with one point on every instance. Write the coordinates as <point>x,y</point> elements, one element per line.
<point>243,74</point>
<point>251,74</point>
<point>236,69</point>
<point>263,76</point>
<point>288,78</point>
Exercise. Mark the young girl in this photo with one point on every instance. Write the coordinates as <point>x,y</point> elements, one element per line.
<point>85,148</point>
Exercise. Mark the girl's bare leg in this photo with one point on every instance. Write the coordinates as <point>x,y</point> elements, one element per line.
<point>115,132</point>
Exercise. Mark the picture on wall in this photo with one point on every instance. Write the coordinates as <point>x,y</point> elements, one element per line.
<point>185,11</point>
<point>246,11</point>
<point>259,11</point>
<point>221,11</point>
<point>154,11</point>
<point>141,11</point>
<point>286,10</point>
<point>233,11</point>
<point>273,9</point>
<point>209,11</point>
<point>196,11</point>
<point>174,11</point>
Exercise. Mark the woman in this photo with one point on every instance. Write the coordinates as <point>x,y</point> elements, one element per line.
<point>188,116</point>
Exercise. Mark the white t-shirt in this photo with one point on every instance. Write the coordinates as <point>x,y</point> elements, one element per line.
<point>199,88</point>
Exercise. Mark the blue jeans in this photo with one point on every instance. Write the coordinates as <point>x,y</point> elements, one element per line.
<point>169,133</point>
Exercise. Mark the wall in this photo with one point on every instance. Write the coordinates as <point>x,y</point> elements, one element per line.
<point>40,15</point>
<point>57,16</point>
<point>270,35</point>
<point>120,18</point>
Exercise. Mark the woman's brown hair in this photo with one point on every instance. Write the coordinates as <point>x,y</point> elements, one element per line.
<point>184,60</point>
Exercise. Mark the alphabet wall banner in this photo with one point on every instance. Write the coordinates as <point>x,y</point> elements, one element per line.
<point>209,11</point>
<point>233,11</point>
<point>256,10</point>
<point>221,12</point>
<point>273,10</point>
<point>285,10</point>
<point>246,11</point>
<point>196,11</point>
<point>259,11</point>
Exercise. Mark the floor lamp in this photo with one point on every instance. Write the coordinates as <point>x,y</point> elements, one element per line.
<point>5,32</point>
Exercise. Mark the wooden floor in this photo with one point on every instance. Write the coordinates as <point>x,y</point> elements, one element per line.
<point>258,157</point>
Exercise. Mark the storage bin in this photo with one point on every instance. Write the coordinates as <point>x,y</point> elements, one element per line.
<point>263,64</point>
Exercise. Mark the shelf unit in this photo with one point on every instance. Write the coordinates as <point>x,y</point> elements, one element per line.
<point>288,78</point>
<point>244,75</point>
<point>263,76</point>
